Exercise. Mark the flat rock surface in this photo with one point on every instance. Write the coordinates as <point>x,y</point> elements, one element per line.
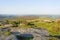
<point>11,37</point>
<point>39,34</point>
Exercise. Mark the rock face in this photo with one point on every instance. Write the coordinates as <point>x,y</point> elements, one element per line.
<point>11,37</point>
<point>39,34</point>
<point>3,36</point>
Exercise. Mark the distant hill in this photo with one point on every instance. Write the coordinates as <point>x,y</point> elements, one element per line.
<point>6,16</point>
<point>28,16</point>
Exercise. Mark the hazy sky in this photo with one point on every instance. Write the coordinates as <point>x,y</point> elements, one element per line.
<point>23,7</point>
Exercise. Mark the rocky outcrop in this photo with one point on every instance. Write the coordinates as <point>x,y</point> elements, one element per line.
<point>11,37</point>
<point>39,34</point>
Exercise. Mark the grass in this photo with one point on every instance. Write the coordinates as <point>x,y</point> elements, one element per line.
<point>7,33</point>
<point>53,27</point>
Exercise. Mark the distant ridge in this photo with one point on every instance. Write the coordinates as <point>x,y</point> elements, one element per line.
<point>13,16</point>
<point>6,16</point>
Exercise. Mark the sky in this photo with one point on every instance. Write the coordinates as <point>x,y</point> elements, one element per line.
<point>30,7</point>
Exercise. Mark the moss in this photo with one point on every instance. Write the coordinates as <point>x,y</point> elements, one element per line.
<point>7,33</point>
<point>53,39</point>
